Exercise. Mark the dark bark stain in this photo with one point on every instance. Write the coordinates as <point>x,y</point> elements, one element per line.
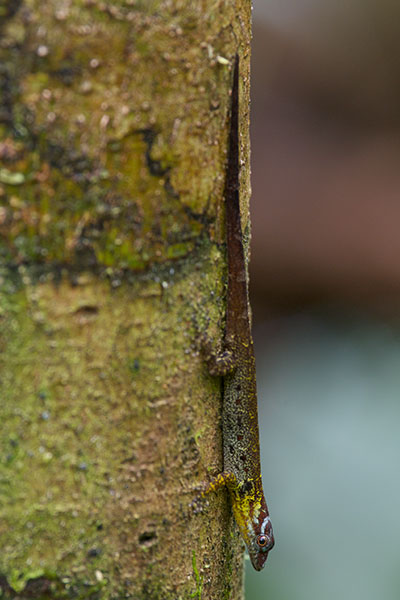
<point>87,310</point>
<point>6,95</point>
<point>147,538</point>
<point>8,8</point>
<point>154,166</point>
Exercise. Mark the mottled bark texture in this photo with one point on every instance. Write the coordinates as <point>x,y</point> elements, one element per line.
<point>113,138</point>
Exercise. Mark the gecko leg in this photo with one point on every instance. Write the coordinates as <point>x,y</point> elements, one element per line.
<point>223,479</point>
<point>221,362</point>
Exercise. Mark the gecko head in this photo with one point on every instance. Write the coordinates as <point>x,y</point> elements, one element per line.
<point>261,539</point>
<point>252,516</point>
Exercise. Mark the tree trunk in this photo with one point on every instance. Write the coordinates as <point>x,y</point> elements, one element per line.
<point>113,138</point>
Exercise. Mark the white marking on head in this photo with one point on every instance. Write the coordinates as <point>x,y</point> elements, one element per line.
<point>264,524</point>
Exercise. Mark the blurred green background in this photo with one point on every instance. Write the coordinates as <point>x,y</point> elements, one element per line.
<point>330,416</point>
<point>325,289</point>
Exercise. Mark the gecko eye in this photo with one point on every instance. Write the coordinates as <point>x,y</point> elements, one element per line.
<point>262,540</point>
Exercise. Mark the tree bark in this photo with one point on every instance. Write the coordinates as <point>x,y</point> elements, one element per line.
<point>113,138</point>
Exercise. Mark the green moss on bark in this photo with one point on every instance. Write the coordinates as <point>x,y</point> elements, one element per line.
<point>94,399</point>
<point>113,136</point>
<point>104,163</point>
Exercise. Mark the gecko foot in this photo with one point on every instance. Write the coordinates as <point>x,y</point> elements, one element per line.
<point>223,479</point>
<point>220,362</point>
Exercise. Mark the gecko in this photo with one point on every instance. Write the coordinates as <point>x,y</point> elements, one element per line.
<point>236,365</point>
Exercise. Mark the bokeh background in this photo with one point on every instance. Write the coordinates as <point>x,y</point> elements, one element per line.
<point>325,288</point>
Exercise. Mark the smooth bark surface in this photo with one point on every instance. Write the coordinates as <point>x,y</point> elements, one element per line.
<point>113,137</point>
